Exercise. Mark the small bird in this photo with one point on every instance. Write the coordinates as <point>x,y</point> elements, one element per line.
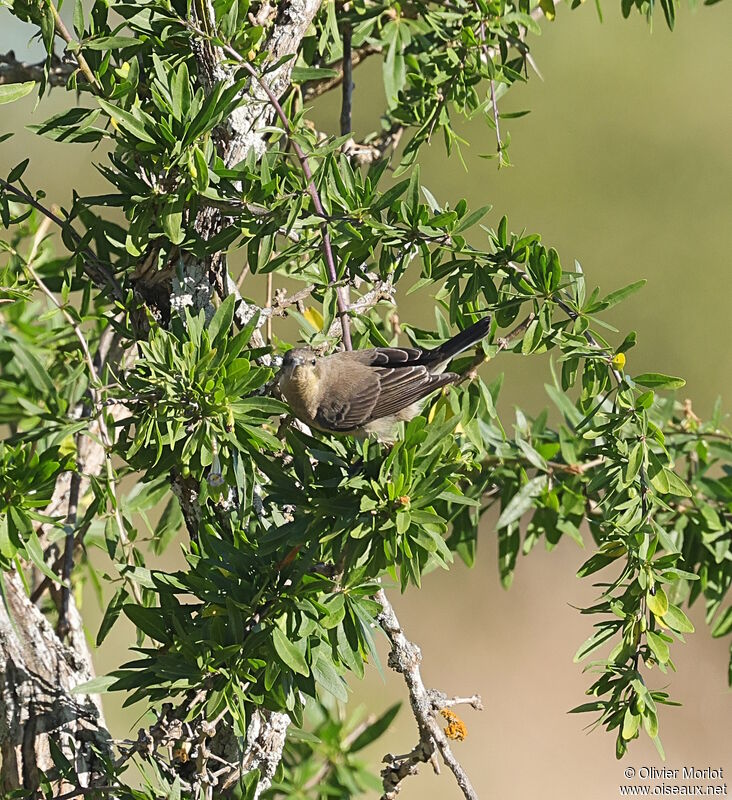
<point>367,392</point>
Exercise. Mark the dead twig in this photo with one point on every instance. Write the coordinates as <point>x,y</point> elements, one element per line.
<point>405,658</point>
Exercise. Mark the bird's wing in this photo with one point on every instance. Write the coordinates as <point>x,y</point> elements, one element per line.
<point>349,405</point>
<point>403,377</point>
<point>387,356</point>
<point>402,386</point>
<point>381,381</point>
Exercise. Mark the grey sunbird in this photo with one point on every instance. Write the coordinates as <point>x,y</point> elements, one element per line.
<point>367,392</point>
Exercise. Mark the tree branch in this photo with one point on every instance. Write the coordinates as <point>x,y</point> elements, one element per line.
<point>313,89</point>
<point>266,86</point>
<point>37,674</point>
<point>347,69</point>
<point>405,658</point>
<point>14,71</point>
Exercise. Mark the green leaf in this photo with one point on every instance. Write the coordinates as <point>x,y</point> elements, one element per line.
<point>180,91</point>
<point>677,620</point>
<point>172,218</point>
<point>326,675</point>
<point>127,121</point>
<point>522,501</point>
<point>222,319</point>
<point>111,613</point>
<point>658,646</point>
<point>658,602</point>
<point>289,653</point>
<point>110,43</point>
<point>620,294</point>
<point>635,459</point>
<point>472,218</point>
<point>376,729</point>
<point>34,551</point>
<point>723,625</point>
<point>657,380</point>
<point>596,705</point>
<point>98,685</point>
<point>302,74</point>
<point>149,620</point>
<point>675,484</point>
<point>631,724</point>
<point>11,92</point>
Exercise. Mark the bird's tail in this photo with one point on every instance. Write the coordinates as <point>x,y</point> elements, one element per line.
<point>461,341</point>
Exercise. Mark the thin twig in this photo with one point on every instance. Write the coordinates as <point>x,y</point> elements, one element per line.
<point>268,305</point>
<point>63,32</point>
<point>314,89</point>
<point>62,626</point>
<point>83,791</point>
<point>242,276</point>
<point>312,189</point>
<point>100,274</point>
<point>282,302</point>
<point>495,122</point>
<point>347,88</point>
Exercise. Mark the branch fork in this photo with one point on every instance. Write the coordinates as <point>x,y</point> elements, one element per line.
<point>405,657</point>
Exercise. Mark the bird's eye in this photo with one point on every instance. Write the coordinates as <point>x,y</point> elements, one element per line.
<point>312,361</point>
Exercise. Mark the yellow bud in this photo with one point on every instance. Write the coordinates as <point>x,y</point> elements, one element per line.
<point>618,361</point>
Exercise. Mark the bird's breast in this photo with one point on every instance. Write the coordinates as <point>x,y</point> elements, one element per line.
<point>301,389</point>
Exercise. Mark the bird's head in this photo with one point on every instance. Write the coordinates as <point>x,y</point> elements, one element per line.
<point>299,363</point>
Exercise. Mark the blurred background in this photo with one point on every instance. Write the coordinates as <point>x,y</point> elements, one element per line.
<point>625,164</point>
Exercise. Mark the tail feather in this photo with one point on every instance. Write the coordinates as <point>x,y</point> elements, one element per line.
<point>461,341</point>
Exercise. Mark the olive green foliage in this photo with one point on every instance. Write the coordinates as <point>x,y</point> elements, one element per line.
<point>290,533</point>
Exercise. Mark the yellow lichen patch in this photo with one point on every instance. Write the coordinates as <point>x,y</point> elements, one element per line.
<point>455,728</point>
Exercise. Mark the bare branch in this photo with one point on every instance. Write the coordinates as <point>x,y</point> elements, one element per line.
<point>14,71</point>
<point>347,69</point>
<point>494,105</point>
<point>314,89</point>
<point>382,291</point>
<point>405,658</point>
<point>373,149</point>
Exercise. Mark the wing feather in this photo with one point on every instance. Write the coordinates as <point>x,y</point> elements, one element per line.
<point>381,382</point>
<point>403,386</point>
<point>348,407</point>
<point>388,356</point>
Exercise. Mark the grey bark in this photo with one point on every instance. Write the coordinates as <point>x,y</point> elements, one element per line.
<point>37,674</point>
